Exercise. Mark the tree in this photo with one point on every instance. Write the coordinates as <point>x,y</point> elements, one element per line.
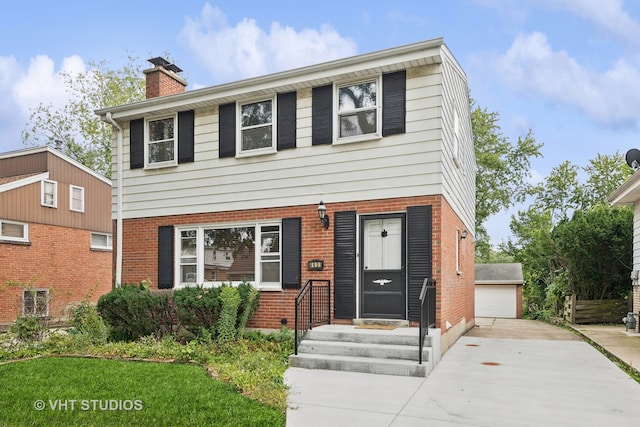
<point>595,247</point>
<point>503,171</point>
<point>74,128</point>
<point>568,230</point>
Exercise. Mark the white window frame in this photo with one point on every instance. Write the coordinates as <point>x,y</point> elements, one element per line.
<point>239,128</point>
<point>25,231</point>
<point>337,113</point>
<point>200,254</point>
<point>457,157</point>
<point>34,292</point>
<point>72,189</point>
<point>109,241</point>
<point>148,142</point>
<point>44,193</point>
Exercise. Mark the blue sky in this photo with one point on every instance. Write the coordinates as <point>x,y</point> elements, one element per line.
<point>569,70</point>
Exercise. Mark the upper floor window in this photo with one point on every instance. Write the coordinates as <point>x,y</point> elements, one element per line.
<point>101,241</point>
<point>161,147</point>
<point>49,194</point>
<point>358,109</point>
<point>14,231</point>
<point>257,127</point>
<point>76,198</point>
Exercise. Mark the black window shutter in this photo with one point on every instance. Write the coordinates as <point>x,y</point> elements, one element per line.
<point>344,254</point>
<point>185,136</point>
<point>419,254</point>
<point>165,257</point>
<point>136,144</point>
<point>287,120</point>
<point>322,115</point>
<point>227,130</point>
<point>291,253</point>
<point>394,103</point>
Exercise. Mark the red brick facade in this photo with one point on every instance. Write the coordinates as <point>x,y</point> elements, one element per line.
<point>57,258</point>
<point>455,289</point>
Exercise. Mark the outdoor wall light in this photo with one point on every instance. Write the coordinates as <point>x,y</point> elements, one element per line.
<point>464,234</point>
<point>322,214</point>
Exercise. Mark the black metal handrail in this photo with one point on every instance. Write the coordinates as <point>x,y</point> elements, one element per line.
<point>427,311</point>
<point>313,307</point>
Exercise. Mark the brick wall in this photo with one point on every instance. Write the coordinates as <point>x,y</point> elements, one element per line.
<point>455,295</point>
<point>58,259</point>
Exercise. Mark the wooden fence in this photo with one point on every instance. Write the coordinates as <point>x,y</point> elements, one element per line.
<point>595,311</point>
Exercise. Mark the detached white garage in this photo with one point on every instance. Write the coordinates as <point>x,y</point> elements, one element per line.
<point>498,290</point>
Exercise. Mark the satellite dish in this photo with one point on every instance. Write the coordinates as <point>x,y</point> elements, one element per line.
<point>633,158</point>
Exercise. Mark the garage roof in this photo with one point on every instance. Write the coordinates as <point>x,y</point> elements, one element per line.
<point>499,274</point>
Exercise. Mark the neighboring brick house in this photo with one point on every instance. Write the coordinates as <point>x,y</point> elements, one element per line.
<point>55,234</point>
<point>225,183</point>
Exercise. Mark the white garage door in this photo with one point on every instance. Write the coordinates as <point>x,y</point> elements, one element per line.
<point>496,301</point>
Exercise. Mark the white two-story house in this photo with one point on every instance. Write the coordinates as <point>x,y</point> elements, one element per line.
<point>226,184</point>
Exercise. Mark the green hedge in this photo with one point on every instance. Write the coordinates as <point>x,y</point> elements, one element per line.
<point>133,311</point>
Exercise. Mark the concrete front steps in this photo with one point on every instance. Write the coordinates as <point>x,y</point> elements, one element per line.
<point>356,348</point>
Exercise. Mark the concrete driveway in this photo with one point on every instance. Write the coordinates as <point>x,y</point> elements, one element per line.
<point>519,329</point>
<point>503,373</point>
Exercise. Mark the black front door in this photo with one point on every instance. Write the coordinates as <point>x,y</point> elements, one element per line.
<point>382,267</point>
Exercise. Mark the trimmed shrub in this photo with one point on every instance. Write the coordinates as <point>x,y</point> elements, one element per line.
<point>27,329</point>
<point>132,311</point>
<point>198,309</point>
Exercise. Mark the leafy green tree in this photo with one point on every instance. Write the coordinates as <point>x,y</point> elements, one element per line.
<point>568,199</point>
<point>503,171</point>
<point>74,127</point>
<point>595,246</point>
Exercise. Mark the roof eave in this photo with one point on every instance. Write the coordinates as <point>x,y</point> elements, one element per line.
<point>428,51</point>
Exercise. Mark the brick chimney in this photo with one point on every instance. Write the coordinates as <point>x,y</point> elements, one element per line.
<point>163,78</point>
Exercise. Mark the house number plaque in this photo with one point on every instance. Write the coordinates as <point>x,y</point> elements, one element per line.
<point>316,265</point>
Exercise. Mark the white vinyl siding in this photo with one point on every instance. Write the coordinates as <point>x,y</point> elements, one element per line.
<point>418,162</point>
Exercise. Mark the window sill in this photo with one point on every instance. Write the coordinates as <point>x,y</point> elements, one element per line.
<point>359,138</point>
<point>254,153</point>
<point>101,249</point>
<point>14,242</point>
<point>161,165</point>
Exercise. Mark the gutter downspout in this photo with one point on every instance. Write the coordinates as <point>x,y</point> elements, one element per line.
<point>119,163</point>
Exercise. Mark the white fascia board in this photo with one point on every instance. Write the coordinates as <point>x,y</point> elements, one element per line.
<point>24,181</point>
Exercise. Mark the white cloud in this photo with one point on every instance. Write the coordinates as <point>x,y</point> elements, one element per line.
<point>23,90</point>
<point>245,50</point>
<point>41,84</point>
<point>609,98</point>
<point>608,15</point>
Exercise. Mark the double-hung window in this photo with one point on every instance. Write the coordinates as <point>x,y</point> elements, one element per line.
<point>257,127</point>
<point>76,198</point>
<point>49,193</point>
<point>358,112</point>
<point>161,145</point>
<point>35,302</point>
<point>212,255</point>
<point>14,231</point>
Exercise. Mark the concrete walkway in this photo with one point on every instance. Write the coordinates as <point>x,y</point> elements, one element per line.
<point>502,373</point>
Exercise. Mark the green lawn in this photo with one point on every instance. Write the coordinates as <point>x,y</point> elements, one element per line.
<point>60,391</point>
